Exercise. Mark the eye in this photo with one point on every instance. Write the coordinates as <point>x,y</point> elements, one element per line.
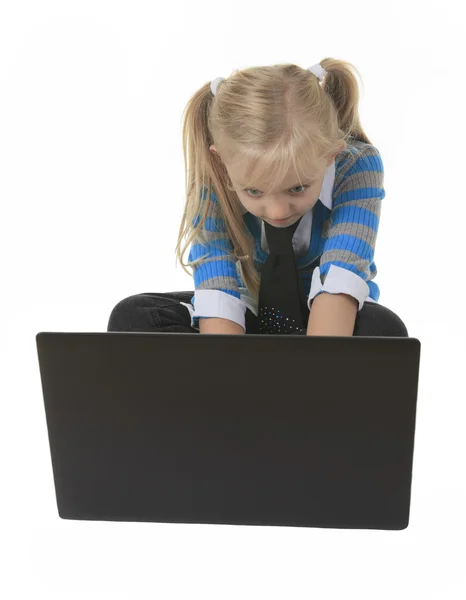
<point>298,194</point>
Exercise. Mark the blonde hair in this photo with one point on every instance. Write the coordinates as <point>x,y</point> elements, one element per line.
<point>269,117</point>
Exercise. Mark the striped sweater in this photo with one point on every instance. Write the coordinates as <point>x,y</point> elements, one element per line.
<point>340,230</point>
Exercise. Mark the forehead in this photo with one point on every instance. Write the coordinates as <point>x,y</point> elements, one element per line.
<point>265,175</point>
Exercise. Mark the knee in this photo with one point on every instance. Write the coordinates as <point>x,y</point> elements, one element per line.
<point>399,328</point>
<point>377,320</point>
<point>393,325</point>
<point>122,314</point>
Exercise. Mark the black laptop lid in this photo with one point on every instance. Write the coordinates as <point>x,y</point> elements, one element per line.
<point>300,431</point>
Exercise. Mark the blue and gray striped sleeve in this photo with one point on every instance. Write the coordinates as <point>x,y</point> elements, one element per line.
<point>346,264</point>
<point>216,279</point>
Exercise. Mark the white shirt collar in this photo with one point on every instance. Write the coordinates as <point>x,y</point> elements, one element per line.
<point>302,235</point>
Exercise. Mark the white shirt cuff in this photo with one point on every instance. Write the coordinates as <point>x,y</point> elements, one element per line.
<point>339,281</point>
<point>214,303</point>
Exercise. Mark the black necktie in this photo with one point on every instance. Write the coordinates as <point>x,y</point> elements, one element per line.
<point>282,300</point>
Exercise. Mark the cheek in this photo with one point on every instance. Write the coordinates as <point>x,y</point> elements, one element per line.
<point>248,202</point>
<point>254,208</point>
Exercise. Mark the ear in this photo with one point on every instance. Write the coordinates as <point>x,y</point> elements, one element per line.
<point>213,149</point>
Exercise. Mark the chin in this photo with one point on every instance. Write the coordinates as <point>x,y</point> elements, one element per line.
<point>286,223</point>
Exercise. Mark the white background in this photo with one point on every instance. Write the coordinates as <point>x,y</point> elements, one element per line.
<point>92,192</point>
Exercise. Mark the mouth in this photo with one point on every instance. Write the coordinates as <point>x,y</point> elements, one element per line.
<point>282,220</point>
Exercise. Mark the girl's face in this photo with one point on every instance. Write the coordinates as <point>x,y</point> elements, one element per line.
<point>285,204</point>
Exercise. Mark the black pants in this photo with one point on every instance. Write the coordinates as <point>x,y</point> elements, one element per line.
<point>163,312</point>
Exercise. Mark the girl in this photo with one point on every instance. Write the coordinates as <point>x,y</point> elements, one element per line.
<point>275,155</point>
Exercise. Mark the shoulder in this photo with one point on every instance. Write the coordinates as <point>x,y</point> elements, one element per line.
<point>357,156</point>
<point>359,165</point>
<point>215,219</point>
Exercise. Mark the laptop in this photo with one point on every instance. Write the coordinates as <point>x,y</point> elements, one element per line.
<point>276,430</point>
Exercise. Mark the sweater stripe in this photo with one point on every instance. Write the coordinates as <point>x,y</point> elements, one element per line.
<point>347,240</point>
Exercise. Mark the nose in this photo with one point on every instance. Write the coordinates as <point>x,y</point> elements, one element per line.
<point>278,212</point>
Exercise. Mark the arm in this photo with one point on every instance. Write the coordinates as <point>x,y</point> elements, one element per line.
<point>218,307</point>
<point>347,261</point>
<point>219,325</point>
<point>332,314</point>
